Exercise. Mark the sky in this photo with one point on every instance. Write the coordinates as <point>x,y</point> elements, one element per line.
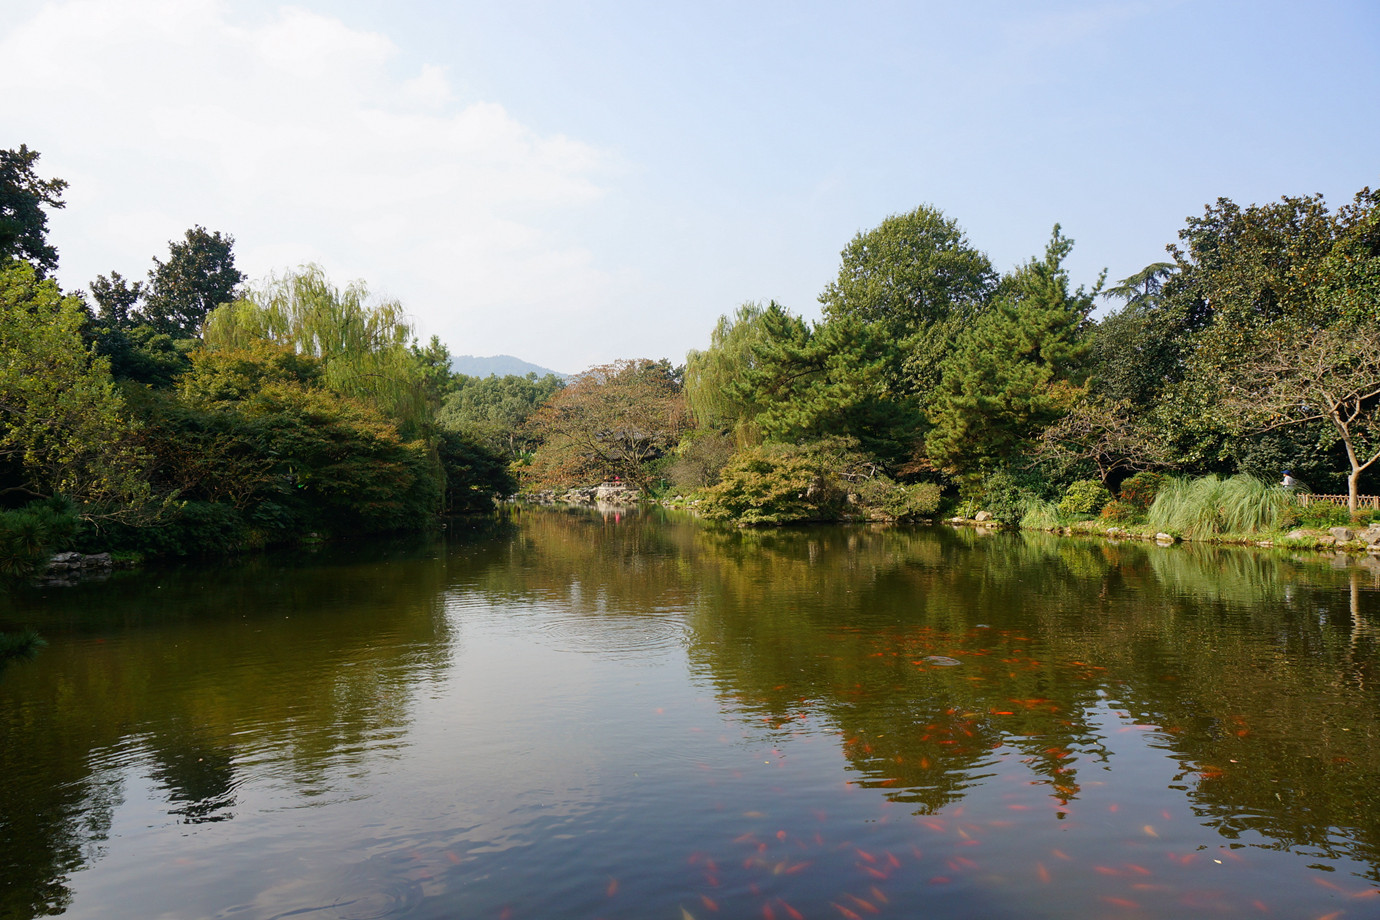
<point>579,182</point>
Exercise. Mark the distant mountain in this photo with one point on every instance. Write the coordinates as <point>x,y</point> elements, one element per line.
<point>499,365</point>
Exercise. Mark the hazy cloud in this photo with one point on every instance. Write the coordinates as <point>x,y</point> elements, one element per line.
<point>308,140</point>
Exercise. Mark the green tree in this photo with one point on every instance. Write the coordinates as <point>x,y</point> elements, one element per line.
<point>917,279</point>
<point>256,432</point>
<point>711,375</point>
<point>63,424</point>
<point>365,348</point>
<point>494,410</point>
<point>910,271</point>
<point>810,382</point>
<point>1016,370</point>
<point>434,361</point>
<point>23,223</point>
<point>117,300</point>
<point>1245,276</point>
<point>474,473</point>
<point>199,276</point>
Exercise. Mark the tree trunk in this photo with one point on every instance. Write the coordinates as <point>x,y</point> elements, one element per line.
<point>1352,482</point>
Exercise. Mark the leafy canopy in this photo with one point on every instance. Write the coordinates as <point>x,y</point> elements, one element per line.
<point>363,345</point>
<point>63,424</point>
<point>199,276</point>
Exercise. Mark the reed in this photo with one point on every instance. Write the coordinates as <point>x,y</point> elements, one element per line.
<point>1038,514</point>
<point>1210,506</point>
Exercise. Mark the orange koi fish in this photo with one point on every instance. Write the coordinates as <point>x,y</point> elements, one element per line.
<point>847,914</point>
<point>865,905</point>
<point>790,911</point>
<point>1121,902</point>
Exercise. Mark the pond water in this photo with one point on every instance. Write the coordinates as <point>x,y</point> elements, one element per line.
<point>573,715</point>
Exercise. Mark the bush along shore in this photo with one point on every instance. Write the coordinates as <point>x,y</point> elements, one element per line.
<point>1154,507</point>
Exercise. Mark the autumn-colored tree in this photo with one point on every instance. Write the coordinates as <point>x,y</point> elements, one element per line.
<point>609,421</point>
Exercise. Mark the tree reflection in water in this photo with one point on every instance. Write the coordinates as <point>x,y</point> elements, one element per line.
<point>1254,673</point>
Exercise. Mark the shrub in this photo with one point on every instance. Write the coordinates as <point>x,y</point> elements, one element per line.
<point>29,535</point>
<point>1321,515</point>
<point>1139,491</point>
<point>700,459</point>
<point>1086,496</point>
<point>1006,493</point>
<point>474,473</point>
<point>771,484</point>
<point>1119,512</point>
<point>822,481</point>
<point>881,497</point>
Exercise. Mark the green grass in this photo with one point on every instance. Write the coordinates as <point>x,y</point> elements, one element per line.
<point>1210,506</point>
<point>1037,514</point>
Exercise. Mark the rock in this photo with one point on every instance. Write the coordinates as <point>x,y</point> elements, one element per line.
<point>1370,536</point>
<point>942,661</point>
<point>1165,538</point>
<point>982,516</point>
<point>1297,535</point>
<point>97,561</point>
<point>1342,534</point>
<point>1327,540</point>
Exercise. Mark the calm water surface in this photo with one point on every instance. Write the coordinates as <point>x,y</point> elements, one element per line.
<point>566,715</point>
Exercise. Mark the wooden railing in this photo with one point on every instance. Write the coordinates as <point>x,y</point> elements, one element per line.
<point>1362,501</point>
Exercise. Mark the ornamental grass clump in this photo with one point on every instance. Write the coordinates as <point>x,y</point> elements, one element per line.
<point>1039,514</point>
<point>1211,506</point>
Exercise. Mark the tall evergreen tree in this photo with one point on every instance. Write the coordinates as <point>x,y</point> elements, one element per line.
<point>1016,370</point>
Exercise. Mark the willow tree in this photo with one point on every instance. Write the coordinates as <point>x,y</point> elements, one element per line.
<point>363,344</point>
<point>711,375</point>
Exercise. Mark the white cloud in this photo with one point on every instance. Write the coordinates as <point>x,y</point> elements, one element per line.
<point>308,140</point>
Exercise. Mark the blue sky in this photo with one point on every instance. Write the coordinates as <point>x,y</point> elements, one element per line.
<point>578,182</point>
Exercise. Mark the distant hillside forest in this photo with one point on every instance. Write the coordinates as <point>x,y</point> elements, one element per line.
<point>191,411</point>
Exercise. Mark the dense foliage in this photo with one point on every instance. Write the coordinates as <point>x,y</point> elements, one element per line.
<point>1255,348</point>
<point>191,414</point>
<point>192,411</point>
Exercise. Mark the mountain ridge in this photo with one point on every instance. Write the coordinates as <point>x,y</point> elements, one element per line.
<point>498,365</point>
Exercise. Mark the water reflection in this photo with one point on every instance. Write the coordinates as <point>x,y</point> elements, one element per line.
<point>527,696</point>
<point>194,677</point>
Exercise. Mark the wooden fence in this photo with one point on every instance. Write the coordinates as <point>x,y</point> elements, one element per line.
<point>1362,501</point>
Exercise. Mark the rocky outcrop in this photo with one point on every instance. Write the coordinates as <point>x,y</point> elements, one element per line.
<point>76,562</point>
<point>70,568</point>
<point>607,493</point>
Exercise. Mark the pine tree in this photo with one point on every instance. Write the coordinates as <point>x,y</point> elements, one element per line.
<point>1016,370</point>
